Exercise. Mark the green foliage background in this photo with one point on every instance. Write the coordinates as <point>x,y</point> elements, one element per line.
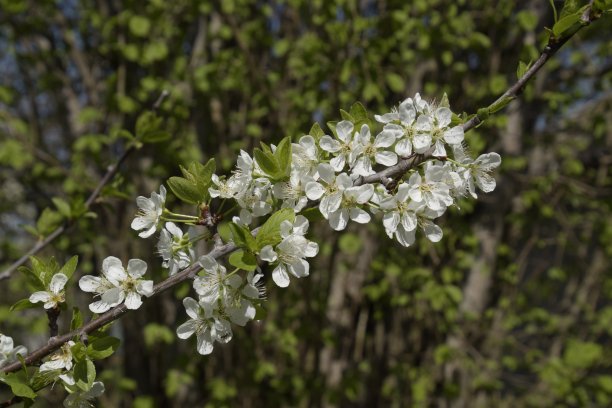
<point>512,308</point>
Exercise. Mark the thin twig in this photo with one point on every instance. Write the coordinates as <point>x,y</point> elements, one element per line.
<point>110,173</point>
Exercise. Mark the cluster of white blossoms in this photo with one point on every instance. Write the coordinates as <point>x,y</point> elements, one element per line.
<point>336,173</point>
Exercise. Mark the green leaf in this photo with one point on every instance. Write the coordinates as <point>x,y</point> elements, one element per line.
<point>283,157</point>
<point>70,266</point>
<point>267,162</point>
<point>77,319</point>
<point>84,374</point>
<point>243,260</point>
<point>242,237</point>
<point>316,131</point>
<point>522,68</point>
<point>41,379</point>
<point>396,82</point>
<point>21,305</point>
<point>564,25</point>
<point>346,116</point>
<point>79,351</point>
<point>62,206</point>
<point>32,277</point>
<point>48,221</point>
<point>185,190</point>
<point>44,270</point>
<point>155,136</point>
<point>140,26</point>
<point>102,347</point>
<point>269,233</point>
<point>359,113</point>
<point>18,385</point>
<point>147,122</point>
<point>554,9</point>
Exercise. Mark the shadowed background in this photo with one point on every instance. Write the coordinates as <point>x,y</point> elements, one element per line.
<point>512,308</point>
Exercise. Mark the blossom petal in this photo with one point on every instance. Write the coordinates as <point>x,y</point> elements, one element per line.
<point>133,301</point>
<point>312,249</point>
<point>404,147</point>
<point>186,330</point>
<point>89,283</point>
<point>267,254</point>
<point>339,219</point>
<point>205,343</point>
<point>136,268</point>
<point>208,263</point>
<point>444,116</point>
<point>406,238</point>
<point>113,296</point>
<point>314,190</point>
<point>329,145</point>
<point>149,232</point>
<point>386,158</point>
<point>280,276</point>
<point>40,296</point>
<point>145,287</point>
<point>359,215</point>
<point>115,274</point>
<point>192,307</point>
<point>338,162</point>
<point>454,135</point>
<point>99,306</point>
<point>433,232</point>
<point>344,130</point>
<point>174,230</point>
<point>300,269</point>
<point>385,138</point>
<point>390,221</point>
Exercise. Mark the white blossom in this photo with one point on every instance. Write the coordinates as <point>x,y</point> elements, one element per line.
<point>149,212</point>
<point>329,189</point>
<point>343,149</point>
<point>54,294</point>
<point>292,192</point>
<point>479,173</point>
<point>8,353</point>
<point>207,328</point>
<point>227,188</point>
<point>289,254</point>
<point>350,208</point>
<point>210,286</point>
<point>435,194</point>
<point>174,248</point>
<point>305,157</point>
<point>60,360</point>
<point>434,129</point>
<point>369,151</point>
<point>117,285</point>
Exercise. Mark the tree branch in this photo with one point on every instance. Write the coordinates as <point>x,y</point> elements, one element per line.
<point>382,177</point>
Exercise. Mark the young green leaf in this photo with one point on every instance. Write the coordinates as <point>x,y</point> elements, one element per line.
<point>21,305</point>
<point>70,266</point>
<point>267,162</point>
<point>282,155</point>
<point>242,237</point>
<point>77,319</point>
<point>62,207</point>
<point>185,190</point>
<point>18,385</point>
<point>102,347</point>
<point>84,374</point>
<point>316,131</point>
<point>269,233</point>
<point>346,116</point>
<point>243,260</point>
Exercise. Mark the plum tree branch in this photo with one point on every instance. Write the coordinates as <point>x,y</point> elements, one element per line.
<point>382,177</point>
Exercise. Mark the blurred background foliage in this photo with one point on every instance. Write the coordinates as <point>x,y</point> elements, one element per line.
<point>512,308</point>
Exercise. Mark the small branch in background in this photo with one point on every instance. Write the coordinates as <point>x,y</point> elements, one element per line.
<point>111,171</point>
